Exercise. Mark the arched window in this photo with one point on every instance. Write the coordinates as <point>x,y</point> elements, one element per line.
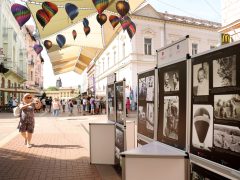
<point>3,83</point>
<point>9,84</point>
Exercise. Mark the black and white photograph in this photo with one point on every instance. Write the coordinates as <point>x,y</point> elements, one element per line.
<point>150,116</point>
<point>201,79</point>
<point>171,81</point>
<point>119,139</point>
<point>111,111</point>
<point>227,106</point>
<point>142,89</point>
<point>224,71</point>
<point>202,127</point>
<point>171,117</point>
<point>141,113</point>
<point>227,137</point>
<point>150,88</point>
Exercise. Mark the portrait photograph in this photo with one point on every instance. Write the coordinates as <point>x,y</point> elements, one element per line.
<point>171,81</point>
<point>141,113</point>
<point>150,116</point>
<point>150,88</point>
<point>227,106</point>
<point>201,79</point>
<point>171,117</point>
<point>224,71</point>
<point>142,89</point>
<point>202,127</point>
<point>227,137</point>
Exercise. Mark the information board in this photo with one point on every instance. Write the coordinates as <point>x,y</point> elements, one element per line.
<point>111,102</point>
<point>146,85</point>
<point>172,105</point>
<point>215,118</point>
<point>120,102</point>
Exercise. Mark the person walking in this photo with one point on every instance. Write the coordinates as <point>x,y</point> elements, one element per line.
<point>63,105</point>
<point>14,102</point>
<point>70,106</point>
<point>78,105</point>
<point>128,104</point>
<point>43,101</point>
<point>92,105</point>
<point>27,122</point>
<point>50,104</point>
<point>56,106</point>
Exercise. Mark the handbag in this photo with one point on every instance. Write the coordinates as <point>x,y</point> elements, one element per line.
<point>16,111</point>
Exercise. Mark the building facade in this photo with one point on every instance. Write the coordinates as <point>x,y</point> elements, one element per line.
<point>231,18</point>
<point>63,93</point>
<point>17,55</point>
<point>127,57</point>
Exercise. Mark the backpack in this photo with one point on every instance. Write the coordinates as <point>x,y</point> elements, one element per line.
<point>16,111</point>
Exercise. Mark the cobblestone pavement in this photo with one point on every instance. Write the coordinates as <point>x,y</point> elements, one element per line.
<point>60,151</point>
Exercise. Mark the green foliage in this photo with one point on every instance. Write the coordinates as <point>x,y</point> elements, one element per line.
<point>52,88</point>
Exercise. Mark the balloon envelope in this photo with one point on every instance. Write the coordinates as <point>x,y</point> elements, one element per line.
<point>122,8</point>
<point>114,20</point>
<point>100,5</point>
<point>74,33</point>
<point>85,22</point>
<point>47,44</point>
<point>61,40</point>
<point>101,18</point>
<point>125,22</point>
<point>50,8</point>
<point>42,17</point>
<point>21,13</point>
<point>86,30</point>
<point>131,30</point>
<point>72,10</point>
<point>38,48</point>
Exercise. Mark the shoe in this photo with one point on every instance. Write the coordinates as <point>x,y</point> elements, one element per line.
<point>29,145</point>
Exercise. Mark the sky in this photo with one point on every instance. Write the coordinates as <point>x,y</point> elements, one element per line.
<point>201,9</point>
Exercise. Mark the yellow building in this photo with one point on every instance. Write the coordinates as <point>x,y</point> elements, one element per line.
<point>63,93</point>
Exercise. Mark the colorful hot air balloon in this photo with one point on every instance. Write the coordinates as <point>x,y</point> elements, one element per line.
<point>61,40</point>
<point>114,20</point>
<point>125,22</point>
<point>72,11</point>
<point>101,18</point>
<point>86,30</point>
<point>38,48</point>
<point>50,8</point>
<point>100,5</point>
<point>122,8</point>
<point>42,17</point>
<point>131,30</point>
<point>74,33</point>
<point>85,22</point>
<point>47,44</point>
<point>21,14</point>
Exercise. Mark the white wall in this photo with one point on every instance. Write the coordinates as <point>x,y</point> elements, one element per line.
<point>230,11</point>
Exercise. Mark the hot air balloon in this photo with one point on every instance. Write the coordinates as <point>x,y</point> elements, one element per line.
<point>101,18</point>
<point>86,30</point>
<point>122,8</point>
<point>21,14</point>
<point>50,8</point>
<point>38,48</point>
<point>47,44</point>
<point>100,5</point>
<point>85,22</point>
<point>131,30</point>
<point>61,40</point>
<point>114,20</point>
<point>72,11</point>
<point>42,17</point>
<point>125,22</point>
<point>74,33</point>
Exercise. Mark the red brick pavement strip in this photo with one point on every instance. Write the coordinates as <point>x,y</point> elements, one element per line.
<point>55,155</point>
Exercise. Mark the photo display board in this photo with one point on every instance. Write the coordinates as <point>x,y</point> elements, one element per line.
<point>172,105</point>
<point>119,142</point>
<point>111,103</point>
<point>215,118</point>
<point>120,90</point>
<point>146,103</point>
<point>199,173</point>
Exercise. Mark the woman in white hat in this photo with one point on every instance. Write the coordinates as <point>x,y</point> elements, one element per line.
<point>26,124</point>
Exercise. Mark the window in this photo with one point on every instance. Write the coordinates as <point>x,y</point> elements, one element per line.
<point>31,76</point>
<point>123,50</point>
<point>108,63</point>
<point>114,57</point>
<point>194,48</point>
<point>103,66</point>
<point>148,46</point>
